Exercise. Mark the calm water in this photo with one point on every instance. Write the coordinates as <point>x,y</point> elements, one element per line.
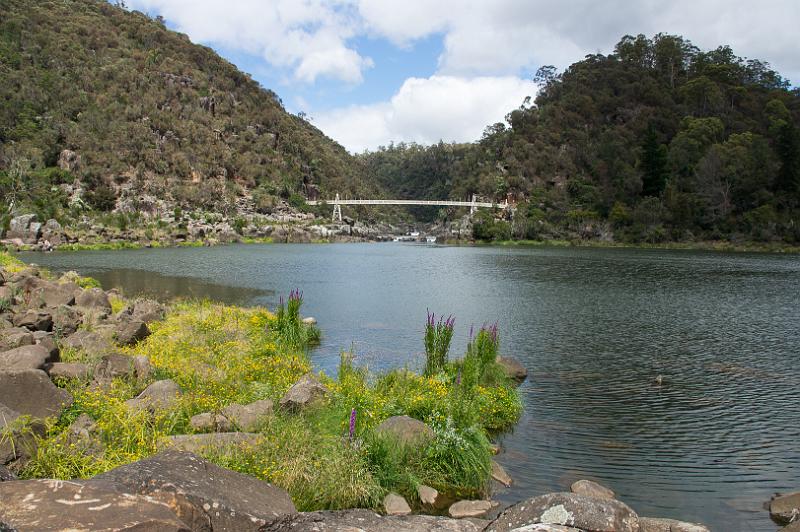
<point>594,327</point>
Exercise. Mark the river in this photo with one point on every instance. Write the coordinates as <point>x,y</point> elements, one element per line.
<point>594,326</point>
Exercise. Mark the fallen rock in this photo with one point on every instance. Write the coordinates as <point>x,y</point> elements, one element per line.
<point>35,320</point>
<point>93,298</point>
<point>46,341</point>
<point>783,509</point>
<point>651,524</point>
<point>248,417</point>
<point>18,442</point>
<point>15,337</point>
<point>147,310</point>
<point>113,366</point>
<point>500,475</point>
<point>56,295</point>
<point>131,331</point>
<point>513,368</point>
<point>66,320</point>
<point>6,475</point>
<point>30,392</point>
<point>591,489</point>
<point>570,509</point>
<point>210,422</point>
<point>69,370</point>
<point>427,495</point>
<point>206,496</point>
<point>303,393</point>
<point>159,395</point>
<point>462,509</point>
<point>361,520</point>
<point>310,321</point>
<point>25,357</point>
<point>81,505</point>
<point>406,430</point>
<point>89,341</point>
<point>142,367</point>
<point>214,441</point>
<point>394,504</point>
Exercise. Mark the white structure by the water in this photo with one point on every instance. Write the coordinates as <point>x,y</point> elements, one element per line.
<point>338,202</point>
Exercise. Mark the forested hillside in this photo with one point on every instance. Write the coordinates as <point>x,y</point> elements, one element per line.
<point>658,141</point>
<point>93,92</point>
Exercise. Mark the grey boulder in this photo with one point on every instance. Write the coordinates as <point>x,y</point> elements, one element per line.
<point>513,368</point>
<point>25,357</point>
<point>69,370</point>
<point>591,489</point>
<point>405,430</point>
<point>303,393</point>
<point>248,417</point>
<point>93,298</point>
<point>206,496</point>
<point>30,392</point>
<point>159,395</point>
<point>569,509</point>
<point>783,509</point>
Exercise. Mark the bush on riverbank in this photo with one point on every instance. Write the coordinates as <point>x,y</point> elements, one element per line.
<point>221,354</point>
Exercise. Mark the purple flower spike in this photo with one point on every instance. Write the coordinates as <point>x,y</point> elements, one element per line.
<point>352,424</point>
<point>458,378</point>
<point>471,331</point>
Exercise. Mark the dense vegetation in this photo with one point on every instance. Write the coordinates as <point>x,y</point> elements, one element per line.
<point>328,455</point>
<point>658,141</point>
<point>102,109</point>
<point>145,115</point>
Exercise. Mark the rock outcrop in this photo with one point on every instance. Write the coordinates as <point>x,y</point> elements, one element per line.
<point>205,496</point>
<point>80,505</point>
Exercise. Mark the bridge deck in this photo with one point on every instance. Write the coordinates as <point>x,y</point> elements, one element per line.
<point>445,203</point>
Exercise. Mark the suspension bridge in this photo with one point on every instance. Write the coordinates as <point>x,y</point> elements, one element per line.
<point>474,204</point>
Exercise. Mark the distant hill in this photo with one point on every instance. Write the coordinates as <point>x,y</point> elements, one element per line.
<point>658,141</point>
<point>92,91</point>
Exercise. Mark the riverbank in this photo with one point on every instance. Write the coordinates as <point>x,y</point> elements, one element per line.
<point>714,245</point>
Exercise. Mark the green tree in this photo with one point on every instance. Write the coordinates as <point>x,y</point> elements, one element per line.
<point>654,164</point>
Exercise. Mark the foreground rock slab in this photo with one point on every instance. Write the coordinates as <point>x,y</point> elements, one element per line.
<point>205,496</point>
<point>45,505</point>
<point>30,392</point>
<point>369,521</point>
<point>652,524</point>
<point>25,357</point>
<point>569,509</point>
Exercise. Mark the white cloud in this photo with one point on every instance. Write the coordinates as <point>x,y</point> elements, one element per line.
<point>309,37</point>
<point>426,110</point>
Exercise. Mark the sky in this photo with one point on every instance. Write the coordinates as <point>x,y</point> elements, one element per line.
<point>371,72</point>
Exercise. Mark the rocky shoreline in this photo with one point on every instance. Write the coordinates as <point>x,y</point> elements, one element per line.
<point>176,489</point>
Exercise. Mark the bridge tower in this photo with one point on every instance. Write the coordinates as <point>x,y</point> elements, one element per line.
<point>337,210</point>
<point>473,207</point>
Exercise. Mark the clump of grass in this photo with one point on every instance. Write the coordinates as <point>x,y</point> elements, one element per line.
<point>289,326</point>
<point>438,336</point>
<point>10,263</point>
